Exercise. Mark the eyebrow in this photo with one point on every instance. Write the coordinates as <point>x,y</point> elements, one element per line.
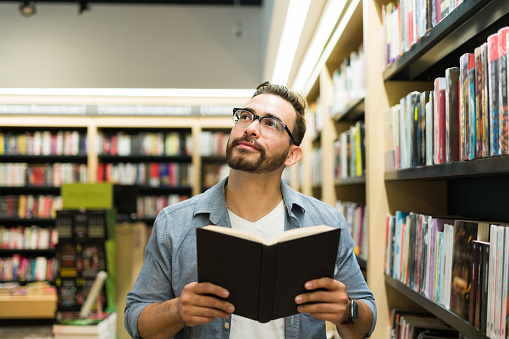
<point>269,115</point>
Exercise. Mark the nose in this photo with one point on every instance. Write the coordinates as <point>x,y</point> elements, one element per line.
<point>253,128</point>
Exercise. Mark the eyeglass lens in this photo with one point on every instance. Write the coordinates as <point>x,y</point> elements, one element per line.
<point>268,126</point>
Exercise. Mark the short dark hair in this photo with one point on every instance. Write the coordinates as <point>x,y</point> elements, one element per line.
<point>295,99</point>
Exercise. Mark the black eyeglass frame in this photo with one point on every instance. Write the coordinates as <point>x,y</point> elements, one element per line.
<point>259,118</point>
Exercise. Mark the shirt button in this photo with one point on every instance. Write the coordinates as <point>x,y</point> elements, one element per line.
<point>226,325</point>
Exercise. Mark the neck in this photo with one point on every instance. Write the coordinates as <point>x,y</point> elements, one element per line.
<point>252,196</point>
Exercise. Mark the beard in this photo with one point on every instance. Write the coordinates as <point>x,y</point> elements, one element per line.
<point>239,159</point>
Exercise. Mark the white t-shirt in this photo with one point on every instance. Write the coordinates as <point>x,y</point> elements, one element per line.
<point>267,227</point>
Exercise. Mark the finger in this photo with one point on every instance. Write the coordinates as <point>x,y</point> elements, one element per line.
<point>318,308</point>
<point>190,300</point>
<point>318,296</point>
<point>327,283</point>
<point>212,302</point>
<point>209,288</point>
<point>194,314</point>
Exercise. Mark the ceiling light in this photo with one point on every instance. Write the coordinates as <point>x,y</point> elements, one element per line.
<point>27,8</point>
<point>325,28</point>
<point>330,46</point>
<point>84,8</point>
<point>294,22</point>
<point>133,92</point>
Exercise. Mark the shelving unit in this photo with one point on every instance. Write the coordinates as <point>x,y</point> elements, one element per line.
<point>436,309</point>
<point>31,308</point>
<point>465,28</point>
<point>337,117</point>
<point>471,189</point>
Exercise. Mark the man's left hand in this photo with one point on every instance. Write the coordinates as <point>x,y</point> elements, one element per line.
<point>330,304</point>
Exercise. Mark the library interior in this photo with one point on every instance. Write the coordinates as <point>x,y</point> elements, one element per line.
<point>110,111</point>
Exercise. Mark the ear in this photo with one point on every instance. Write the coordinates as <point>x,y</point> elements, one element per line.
<point>293,156</point>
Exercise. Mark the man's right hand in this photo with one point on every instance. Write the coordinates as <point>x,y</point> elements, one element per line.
<point>200,304</point>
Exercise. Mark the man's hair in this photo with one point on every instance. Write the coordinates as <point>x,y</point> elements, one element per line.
<point>295,99</point>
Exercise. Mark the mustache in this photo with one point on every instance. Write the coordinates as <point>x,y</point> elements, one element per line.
<point>253,141</point>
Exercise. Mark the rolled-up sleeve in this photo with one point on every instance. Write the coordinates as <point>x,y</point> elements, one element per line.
<point>154,281</point>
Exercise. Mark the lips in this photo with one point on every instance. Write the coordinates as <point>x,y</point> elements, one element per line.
<point>247,145</point>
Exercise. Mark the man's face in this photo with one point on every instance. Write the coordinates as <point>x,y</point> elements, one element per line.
<point>250,151</point>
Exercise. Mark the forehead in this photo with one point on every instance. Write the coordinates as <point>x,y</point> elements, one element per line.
<point>265,104</point>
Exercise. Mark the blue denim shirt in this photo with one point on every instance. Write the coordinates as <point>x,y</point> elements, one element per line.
<point>170,259</point>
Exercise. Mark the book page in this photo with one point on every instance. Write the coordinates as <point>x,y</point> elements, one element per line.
<point>285,236</point>
<point>300,233</point>
<point>236,233</point>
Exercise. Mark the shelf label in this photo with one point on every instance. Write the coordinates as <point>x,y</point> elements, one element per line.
<point>43,109</point>
<point>183,110</point>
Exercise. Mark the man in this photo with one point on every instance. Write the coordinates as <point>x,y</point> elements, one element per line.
<point>166,301</point>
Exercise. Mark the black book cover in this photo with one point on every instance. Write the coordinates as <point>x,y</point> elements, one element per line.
<point>452,114</point>
<point>264,279</point>
<point>484,292</point>
<point>480,282</point>
<point>415,130</point>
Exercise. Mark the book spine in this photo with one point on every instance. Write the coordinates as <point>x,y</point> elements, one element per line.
<point>493,93</point>
<point>267,283</point>
<point>451,114</point>
<point>502,94</point>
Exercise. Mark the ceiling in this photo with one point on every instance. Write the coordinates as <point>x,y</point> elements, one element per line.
<point>168,2</point>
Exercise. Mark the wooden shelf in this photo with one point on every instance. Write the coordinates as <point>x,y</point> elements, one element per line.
<point>163,190</point>
<point>27,221</point>
<point>143,158</point>
<point>213,159</point>
<point>354,112</point>
<point>27,253</point>
<point>495,166</point>
<point>360,180</point>
<point>438,310</point>
<point>465,28</point>
<point>34,190</point>
<point>26,307</point>
<point>43,159</point>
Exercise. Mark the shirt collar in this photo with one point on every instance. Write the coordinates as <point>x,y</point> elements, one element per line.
<point>213,202</point>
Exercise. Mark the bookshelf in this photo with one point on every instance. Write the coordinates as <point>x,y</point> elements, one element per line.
<point>467,190</point>
<point>336,101</point>
<point>436,309</point>
<point>213,156</point>
<point>91,126</point>
<point>472,190</point>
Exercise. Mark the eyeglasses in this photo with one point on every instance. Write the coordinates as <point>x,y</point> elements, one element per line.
<point>269,126</point>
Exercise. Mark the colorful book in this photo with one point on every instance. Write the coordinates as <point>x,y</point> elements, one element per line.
<point>472,125</point>
<point>502,94</point>
<point>467,62</point>
<point>439,121</point>
<point>451,114</point>
<point>465,232</point>
<point>480,102</point>
<point>493,94</point>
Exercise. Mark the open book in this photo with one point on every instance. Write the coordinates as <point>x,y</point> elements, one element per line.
<point>264,277</point>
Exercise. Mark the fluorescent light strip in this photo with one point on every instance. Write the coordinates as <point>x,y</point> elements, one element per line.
<point>294,22</point>
<point>330,46</point>
<point>328,21</point>
<point>133,92</point>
